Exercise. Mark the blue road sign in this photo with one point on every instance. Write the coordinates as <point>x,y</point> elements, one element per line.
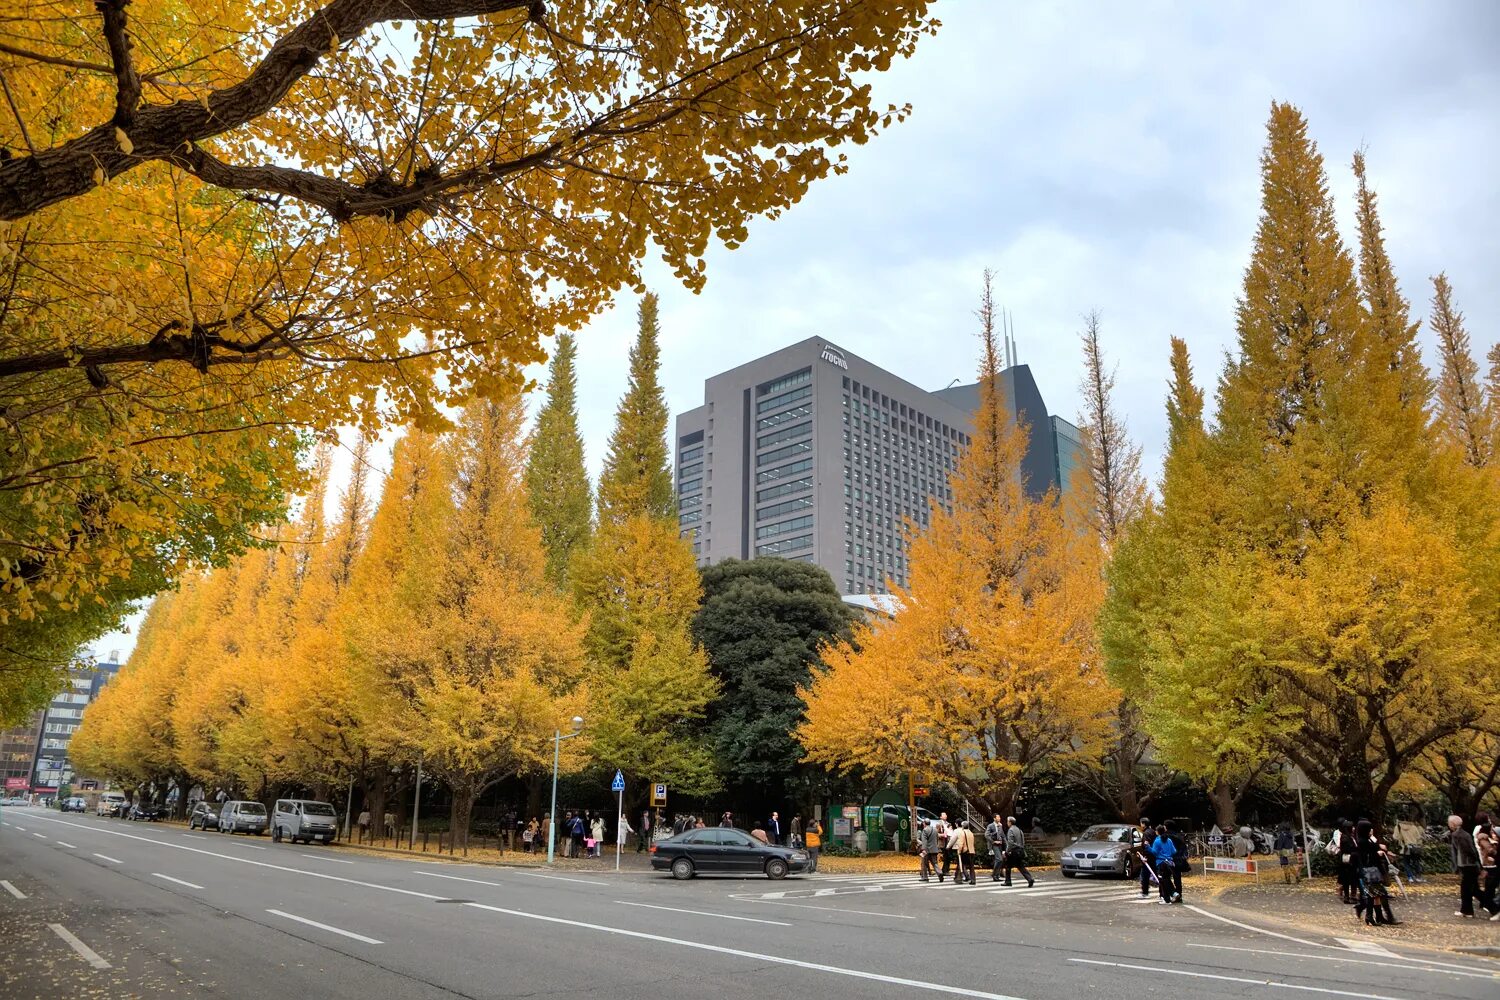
<point>618,785</point>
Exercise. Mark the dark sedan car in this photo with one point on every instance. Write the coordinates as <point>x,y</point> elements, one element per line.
<point>720,850</point>
<point>143,811</point>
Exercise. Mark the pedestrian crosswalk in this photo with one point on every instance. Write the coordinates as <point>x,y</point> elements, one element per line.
<point>1056,889</point>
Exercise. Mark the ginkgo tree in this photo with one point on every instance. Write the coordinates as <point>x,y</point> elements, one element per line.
<point>224,225</point>
<point>989,666</point>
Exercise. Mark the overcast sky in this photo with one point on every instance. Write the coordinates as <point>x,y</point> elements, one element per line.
<point>1097,156</point>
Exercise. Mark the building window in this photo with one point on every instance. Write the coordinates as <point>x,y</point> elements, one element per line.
<point>785,434</point>
<point>691,470</point>
<point>802,377</point>
<point>782,471</point>
<point>784,508</point>
<point>776,419</point>
<point>785,489</point>
<point>691,454</point>
<point>786,545</point>
<point>690,485</point>
<point>784,527</point>
<point>799,448</point>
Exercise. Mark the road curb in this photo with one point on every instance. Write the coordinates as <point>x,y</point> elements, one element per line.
<point>1282,924</point>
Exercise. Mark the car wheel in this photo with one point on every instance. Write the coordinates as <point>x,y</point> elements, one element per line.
<point>1068,874</point>
<point>776,868</point>
<point>682,869</point>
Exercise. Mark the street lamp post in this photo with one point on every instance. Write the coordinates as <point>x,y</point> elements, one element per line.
<point>557,738</point>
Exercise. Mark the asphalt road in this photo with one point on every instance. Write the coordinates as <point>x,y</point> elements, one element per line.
<point>102,907</point>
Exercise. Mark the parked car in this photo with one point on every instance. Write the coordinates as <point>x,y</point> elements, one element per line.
<point>205,815</point>
<point>1103,849</point>
<point>73,804</point>
<point>305,820</point>
<point>144,811</point>
<point>240,816</point>
<point>110,804</point>
<point>721,851</point>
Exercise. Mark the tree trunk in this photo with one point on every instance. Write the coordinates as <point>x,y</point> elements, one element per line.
<point>464,796</point>
<point>375,798</point>
<point>1221,793</point>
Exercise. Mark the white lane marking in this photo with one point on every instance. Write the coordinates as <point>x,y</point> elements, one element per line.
<point>1236,979</point>
<point>319,857</point>
<point>42,835</point>
<point>705,913</point>
<point>179,881</point>
<point>327,927</point>
<point>1315,944</point>
<point>11,889</point>
<point>194,836</point>
<point>1455,970</point>
<point>88,954</point>
<point>1367,947</point>
<point>64,843</point>
<point>561,878</point>
<point>106,857</point>
<point>253,847</point>
<point>248,861</point>
<point>21,828</point>
<point>1252,927</point>
<point>457,878</point>
<point>758,956</point>
<point>830,909</point>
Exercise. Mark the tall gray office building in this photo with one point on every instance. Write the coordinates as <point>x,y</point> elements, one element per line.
<point>813,453</point>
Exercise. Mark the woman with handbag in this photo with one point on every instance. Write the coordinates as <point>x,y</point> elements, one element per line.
<point>1372,868</point>
<point>1341,846</point>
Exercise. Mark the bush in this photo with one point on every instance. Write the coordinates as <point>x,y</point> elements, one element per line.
<point>1435,861</point>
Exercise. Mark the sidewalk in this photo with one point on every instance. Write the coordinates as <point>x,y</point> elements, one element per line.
<point>629,861</point>
<point>1425,912</point>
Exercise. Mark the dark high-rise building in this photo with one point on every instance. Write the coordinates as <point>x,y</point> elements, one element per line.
<point>53,768</point>
<point>813,453</point>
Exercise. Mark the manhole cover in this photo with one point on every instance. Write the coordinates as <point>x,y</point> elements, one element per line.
<point>453,901</point>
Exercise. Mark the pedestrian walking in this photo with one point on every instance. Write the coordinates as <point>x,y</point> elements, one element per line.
<point>1373,868</point>
<point>529,835</point>
<point>547,831</point>
<point>1165,853</point>
<point>759,833</point>
<point>388,824</point>
<point>930,848</point>
<point>1141,845</point>
<point>577,831</point>
<point>995,834</point>
<point>1487,843</point>
<point>1407,837</point>
<point>1465,855</point>
<point>364,825</point>
<point>1180,863</point>
<point>727,819</point>
<point>1015,852</point>
<point>773,828</point>
<point>597,830</point>
<point>643,832</point>
<point>814,836</point>
<point>1341,847</point>
<point>796,831</point>
<point>1286,852</point>
<point>960,854</point>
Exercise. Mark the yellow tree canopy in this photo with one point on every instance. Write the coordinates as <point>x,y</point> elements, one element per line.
<point>222,224</point>
<point>989,666</point>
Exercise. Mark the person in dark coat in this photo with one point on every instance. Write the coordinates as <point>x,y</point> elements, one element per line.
<point>1465,855</point>
<point>1373,868</point>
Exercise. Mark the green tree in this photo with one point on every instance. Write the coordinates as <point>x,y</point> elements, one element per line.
<point>1313,588</point>
<point>762,624</point>
<point>636,478</point>
<point>557,483</point>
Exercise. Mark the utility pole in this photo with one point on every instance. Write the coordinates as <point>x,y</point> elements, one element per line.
<point>416,806</point>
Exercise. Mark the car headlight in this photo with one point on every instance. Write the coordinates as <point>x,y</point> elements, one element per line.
<point>1068,855</point>
<point>1111,855</point>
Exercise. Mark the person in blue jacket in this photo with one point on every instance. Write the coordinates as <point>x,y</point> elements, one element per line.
<point>1165,853</point>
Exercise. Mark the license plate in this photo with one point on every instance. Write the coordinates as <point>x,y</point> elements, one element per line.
<point>1085,863</point>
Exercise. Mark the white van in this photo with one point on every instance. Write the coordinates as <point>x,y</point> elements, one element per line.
<point>110,804</point>
<point>303,819</point>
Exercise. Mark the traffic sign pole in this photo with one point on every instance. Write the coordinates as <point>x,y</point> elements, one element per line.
<point>619,789</point>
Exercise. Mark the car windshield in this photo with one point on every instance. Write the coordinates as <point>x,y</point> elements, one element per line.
<point>1109,834</point>
<point>251,808</point>
<point>317,809</point>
